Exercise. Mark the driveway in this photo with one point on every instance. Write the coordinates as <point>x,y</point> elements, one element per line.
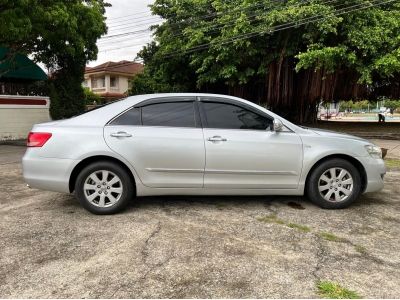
<point>184,247</point>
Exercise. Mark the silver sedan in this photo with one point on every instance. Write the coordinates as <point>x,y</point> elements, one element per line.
<point>196,144</point>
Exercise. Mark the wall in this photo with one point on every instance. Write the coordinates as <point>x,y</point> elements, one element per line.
<point>123,84</point>
<point>19,113</point>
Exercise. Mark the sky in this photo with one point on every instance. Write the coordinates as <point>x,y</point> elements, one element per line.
<point>128,22</point>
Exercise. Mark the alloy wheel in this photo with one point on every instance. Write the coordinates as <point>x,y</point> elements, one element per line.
<point>103,188</point>
<point>335,184</point>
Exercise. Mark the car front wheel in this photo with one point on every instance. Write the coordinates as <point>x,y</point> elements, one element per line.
<point>335,183</point>
<point>104,188</point>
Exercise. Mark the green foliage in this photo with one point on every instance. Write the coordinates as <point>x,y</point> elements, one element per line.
<point>47,29</point>
<point>328,58</point>
<point>161,75</point>
<point>363,105</point>
<point>91,97</point>
<point>60,34</point>
<point>367,41</point>
<point>233,43</point>
<point>394,104</point>
<point>331,290</point>
<point>66,93</point>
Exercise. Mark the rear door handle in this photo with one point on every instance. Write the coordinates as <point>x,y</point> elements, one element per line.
<point>216,138</point>
<point>120,134</point>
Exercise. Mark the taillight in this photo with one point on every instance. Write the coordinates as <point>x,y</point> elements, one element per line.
<point>38,139</point>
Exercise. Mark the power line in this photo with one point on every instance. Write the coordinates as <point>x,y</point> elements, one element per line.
<point>280,27</point>
<point>148,20</point>
<point>142,12</point>
<point>271,30</point>
<point>123,39</point>
<point>218,13</point>
<point>212,26</point>
<point>121,48</point>
<point>252,17</point>
<point>202,17</point>
<point>127,22</point>
<point>126,33</point>
<point>226,24</point>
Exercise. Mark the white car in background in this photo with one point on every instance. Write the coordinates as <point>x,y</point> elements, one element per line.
<point>196,144</point>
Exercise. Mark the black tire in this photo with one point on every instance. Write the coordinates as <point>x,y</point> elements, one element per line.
<point>312,189</point>
<point>128,188</point>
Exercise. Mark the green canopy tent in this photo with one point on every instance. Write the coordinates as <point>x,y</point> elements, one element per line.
<point>19,67</point>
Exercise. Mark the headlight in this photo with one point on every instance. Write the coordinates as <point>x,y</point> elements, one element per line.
<point>374,151</point>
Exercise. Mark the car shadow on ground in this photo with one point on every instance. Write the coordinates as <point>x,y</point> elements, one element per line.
<point>222,202</point>
<point>214,200</point>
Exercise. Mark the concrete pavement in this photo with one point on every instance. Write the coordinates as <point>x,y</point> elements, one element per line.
<point>184,247</point>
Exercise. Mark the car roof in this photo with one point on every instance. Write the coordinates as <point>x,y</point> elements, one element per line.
<point>101,116</point>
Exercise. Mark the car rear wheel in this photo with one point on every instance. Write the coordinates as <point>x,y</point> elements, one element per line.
<point>335,183</point>
<point>104,188</point>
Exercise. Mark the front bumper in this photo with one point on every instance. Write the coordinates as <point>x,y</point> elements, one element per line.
<point>44,173</point>
<point>375,170</point>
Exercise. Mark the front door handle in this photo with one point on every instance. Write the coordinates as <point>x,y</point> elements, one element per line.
<point>120,134</point>
<point>216,138</point>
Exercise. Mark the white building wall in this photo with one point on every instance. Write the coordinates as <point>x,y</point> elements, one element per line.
<point>19,113</point>
<point>123,84</point>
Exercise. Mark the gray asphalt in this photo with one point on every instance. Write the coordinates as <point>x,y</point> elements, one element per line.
<point>185,247</point>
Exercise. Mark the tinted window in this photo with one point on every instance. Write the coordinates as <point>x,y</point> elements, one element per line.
<point>222,115</point>
<point>130,117</point>
<point>176,114</point>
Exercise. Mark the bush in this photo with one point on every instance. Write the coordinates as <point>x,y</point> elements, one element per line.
<point>66,95</point>
<point>363,105</point>
<point>90,97</point>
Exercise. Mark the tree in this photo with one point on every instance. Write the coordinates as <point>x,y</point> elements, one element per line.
<point>287,55</point>
<point>90,97</point>
<point>393,104</point>
<point>60,34</point>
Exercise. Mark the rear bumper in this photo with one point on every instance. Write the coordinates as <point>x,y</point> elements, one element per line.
<point>375,169</point>
<point>50,174</point>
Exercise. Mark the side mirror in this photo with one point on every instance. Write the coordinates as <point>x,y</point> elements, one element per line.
<point>278,125</point>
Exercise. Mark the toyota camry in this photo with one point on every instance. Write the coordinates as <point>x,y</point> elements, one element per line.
<point>196,144</point>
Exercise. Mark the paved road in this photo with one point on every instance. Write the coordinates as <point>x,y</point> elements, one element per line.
<point>199,247</point>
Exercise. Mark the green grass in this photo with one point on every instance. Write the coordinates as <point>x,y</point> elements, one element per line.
<point>331,290</point>
<point>392,163</point>
<point>360,249</point>
<point>271,219</point>
<point>276,220</point>
<point>299,227</point>
<point>330,237</point>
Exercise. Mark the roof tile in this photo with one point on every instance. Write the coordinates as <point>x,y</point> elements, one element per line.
<point>123,66</point>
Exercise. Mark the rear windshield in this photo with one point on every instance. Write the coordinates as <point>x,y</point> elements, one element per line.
<point>98,106</point>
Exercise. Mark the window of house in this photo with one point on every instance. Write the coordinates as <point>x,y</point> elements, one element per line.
<point>228,116</point>
<point>98,82</point>
<point>113,82</point>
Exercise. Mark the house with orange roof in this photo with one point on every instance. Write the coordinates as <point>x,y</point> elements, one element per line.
<point>110,80</point>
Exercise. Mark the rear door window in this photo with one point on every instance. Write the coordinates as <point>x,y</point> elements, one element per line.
<point>130,117</point>
<point>173,114</point>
